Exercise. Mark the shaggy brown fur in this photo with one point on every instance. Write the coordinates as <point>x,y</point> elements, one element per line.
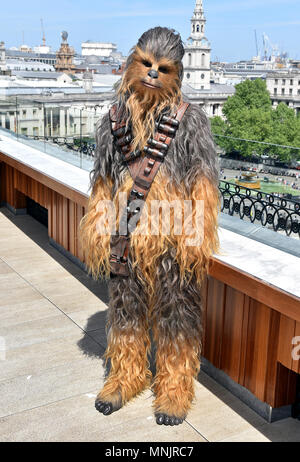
<point>147,247</point>
<point>163,287</point>
<point>129,374</point>
<point>144,103</point>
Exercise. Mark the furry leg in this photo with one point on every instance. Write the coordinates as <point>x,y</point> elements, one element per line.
<point>177,332</point>
<point>128,346</point>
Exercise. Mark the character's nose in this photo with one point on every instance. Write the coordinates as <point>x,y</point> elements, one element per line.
<point>153,74</point>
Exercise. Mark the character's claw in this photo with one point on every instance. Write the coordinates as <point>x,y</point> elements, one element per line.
<point>104,408</point>
<point>164,419</point>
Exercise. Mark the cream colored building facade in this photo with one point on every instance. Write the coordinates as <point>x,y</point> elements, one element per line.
<point>285,87</point>
<point>97,48</point>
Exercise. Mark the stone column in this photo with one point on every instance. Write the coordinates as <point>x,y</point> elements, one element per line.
<point>68,123</point>
<point>62,122</point>
<point>11,123</point>
<point>51,122</point>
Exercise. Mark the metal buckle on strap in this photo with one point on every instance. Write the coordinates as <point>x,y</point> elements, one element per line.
<point>119,268</point>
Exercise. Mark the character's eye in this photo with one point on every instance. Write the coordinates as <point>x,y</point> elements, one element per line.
<point>163,69</point>
<point>147,63</point>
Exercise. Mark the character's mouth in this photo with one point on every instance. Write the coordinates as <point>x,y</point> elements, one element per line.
<point>150,85</point>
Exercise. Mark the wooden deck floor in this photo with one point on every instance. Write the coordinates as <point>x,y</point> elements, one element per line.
<point>52,324</point>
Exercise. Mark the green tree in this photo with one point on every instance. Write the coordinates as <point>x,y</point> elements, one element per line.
<point>285,131</point>
<point>249,115</point>
<point>250,94</point>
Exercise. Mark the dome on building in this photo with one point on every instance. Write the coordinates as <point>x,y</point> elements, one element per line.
<point>92,59</point>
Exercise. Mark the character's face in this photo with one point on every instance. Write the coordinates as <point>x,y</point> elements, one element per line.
<point>151,76</point>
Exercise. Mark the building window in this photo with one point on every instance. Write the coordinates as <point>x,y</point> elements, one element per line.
<point>291,91</point>
<point>188,75</point>
<point>283,81</point>
<point>275,91</point>
<point>282,91</point>
<point>190,59</point>
<point>215,109</point>
<point>276,81</point>
<point>203,59</point>
<point>291,82</point>
<point>198,28</point>
<point>24,113</point>
<point>202,76</point>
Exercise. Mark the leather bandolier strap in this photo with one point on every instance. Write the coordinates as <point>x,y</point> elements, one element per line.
<point>143,171</point>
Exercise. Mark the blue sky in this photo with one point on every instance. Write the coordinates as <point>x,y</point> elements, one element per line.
<point>230,23</point>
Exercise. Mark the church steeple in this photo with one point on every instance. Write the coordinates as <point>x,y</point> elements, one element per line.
<point>198,22</point>
<point>196,60</point>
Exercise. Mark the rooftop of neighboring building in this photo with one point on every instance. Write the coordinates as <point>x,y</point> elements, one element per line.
<point>22,54</point>
<point>215,88</point>
<point>37,75</point>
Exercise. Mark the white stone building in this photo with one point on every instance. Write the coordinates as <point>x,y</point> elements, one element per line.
<point>285,87</point>
<point>97,48</point>
<point>56,116</point>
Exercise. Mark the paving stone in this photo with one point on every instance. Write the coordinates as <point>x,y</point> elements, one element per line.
<point>287,430</point>
<point>22,312</point>
<point>27,392</point>
<point>34,358</point>
<point>76,419</point>
<point>41,330</point>
<point>100,335</point>
<point>90,318</point>
<point>218,416</point>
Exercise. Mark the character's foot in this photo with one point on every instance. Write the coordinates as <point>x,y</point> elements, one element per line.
<point>164,419</point>
<point>106,408</point>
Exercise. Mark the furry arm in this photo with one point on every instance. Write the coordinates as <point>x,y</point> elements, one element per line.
<point>96,245</point>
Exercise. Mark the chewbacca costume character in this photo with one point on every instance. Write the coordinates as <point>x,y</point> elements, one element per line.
<point>152,147</point>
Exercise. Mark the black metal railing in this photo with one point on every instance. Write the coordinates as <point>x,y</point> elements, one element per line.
<point>270,210</point>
